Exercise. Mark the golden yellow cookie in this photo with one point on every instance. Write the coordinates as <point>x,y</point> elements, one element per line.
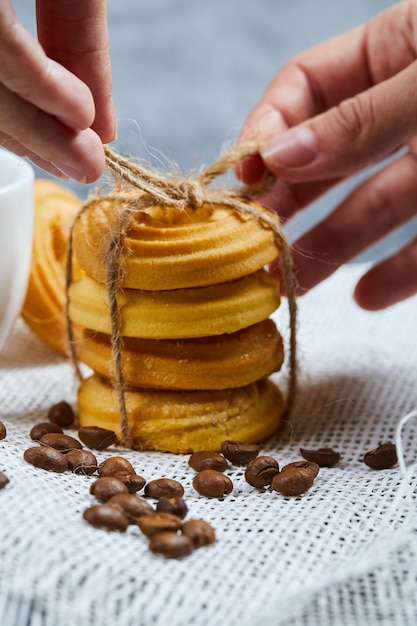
<point>184,421</point>
<point>177,313</point>
<point>43,308</point>
<point>169,249</point>
<point>217,362</point>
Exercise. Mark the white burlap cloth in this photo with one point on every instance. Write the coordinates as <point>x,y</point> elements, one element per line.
<point>345,553</point>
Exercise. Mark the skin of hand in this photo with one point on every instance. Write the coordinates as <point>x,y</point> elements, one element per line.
<point>329,113</point>
<point>55,93</point>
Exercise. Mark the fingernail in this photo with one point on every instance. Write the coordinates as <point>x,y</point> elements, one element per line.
<point>71,172</point>
<point>295,148</point>
<point>46,166</point>
<point>67,122</point>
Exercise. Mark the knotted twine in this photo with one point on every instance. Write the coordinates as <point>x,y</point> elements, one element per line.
<point>152,188</point>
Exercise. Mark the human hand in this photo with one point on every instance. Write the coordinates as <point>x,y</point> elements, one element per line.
<point>329,113</point>
<point>55,93</point>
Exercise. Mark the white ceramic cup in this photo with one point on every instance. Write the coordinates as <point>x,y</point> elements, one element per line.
<point>16,228</point>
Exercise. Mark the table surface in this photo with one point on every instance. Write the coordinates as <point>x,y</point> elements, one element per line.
<point>342,554</point>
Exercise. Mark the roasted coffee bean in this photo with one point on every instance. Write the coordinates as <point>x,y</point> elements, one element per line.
<point>382,457</point>
<point>171,545</point>
<point>61,442</point>
<point>97,438</point>
<point>106,517</point>
<point>114,465</point>
<point>212,484</point>
<point>324,457</point>
<point>295,478</point>
<point>62,414</point>
<point>3,431</point>
<point>3,480</point>
<point>107,486</point>
<point>175,506</point>
<point>133,482</point>
<point>199,531</point>
<point>239,453</point>
<point>131,505</point>
<point>208,460</point>
<point>261,470</point>
<point>81,462</point>
<point>43,428</point>
<point>46,458</point>
<point>157,522</point>
<point>164,488</point>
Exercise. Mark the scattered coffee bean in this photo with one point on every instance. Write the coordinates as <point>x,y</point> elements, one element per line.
<point>114,465</point>
<point>212,484</point>
<point>132,506</point>
<point>171,545</point>
<point>239,453</point>
<point>107,486</point>
<point>46,458</point>
<point>382,457</point>
<point>295,478</point>
<point>3,431</point>
<point>3,480</point>
<point>164,488</point>
<point>157,522</point>
<point>261,470</point>
<point>199,531</point>
<point>208,460</point>
<point>61,442</point>
<point>106,517</point>
<point>97,438</point>
<point>133,482</point>
<point>175,506</point>
<point>62,414</point>
<point>43,428</point>
<point>81,462</point>
<point>324,457</point>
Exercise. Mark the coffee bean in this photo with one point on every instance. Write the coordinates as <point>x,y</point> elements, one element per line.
<point>107,486</point>
<point>133,482</point>
<point>212,484</point>
<point>207,460</point>
<point>199,531</point>
<point>132,506</point>
<point>97,438</point>
<point>114,465</point>
<point>43,428</point>
<point>324,457</point>
<point>382,457</point>
<point>81,462</point>
<point>106,517</point>
<point>239,453</point>
<point>157,522</point>
<point>261,470</point>
<point>46,458</point>
<point>171,545</point>
<point>295,478</point>
<point>3,431</point>
<point>3,480</point>
<point>175,506</point>
<point>61,442</point>
<point>62,414</point>
<point>164,488</point>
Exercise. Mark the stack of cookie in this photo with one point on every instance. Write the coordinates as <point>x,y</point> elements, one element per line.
<point>198,346</point>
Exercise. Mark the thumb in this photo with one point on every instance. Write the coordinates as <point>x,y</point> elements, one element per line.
<point>356,133</point>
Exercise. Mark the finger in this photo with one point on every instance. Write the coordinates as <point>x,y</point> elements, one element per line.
<point>389,282</point>
<point>371,211</point>
<point>26,71</point>
<point>79,155</point>
<point>75,35</point>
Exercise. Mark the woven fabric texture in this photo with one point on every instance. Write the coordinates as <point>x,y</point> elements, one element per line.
<point>345,553</point>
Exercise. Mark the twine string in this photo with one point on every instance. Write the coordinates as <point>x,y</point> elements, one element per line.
<point>139,187</point>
